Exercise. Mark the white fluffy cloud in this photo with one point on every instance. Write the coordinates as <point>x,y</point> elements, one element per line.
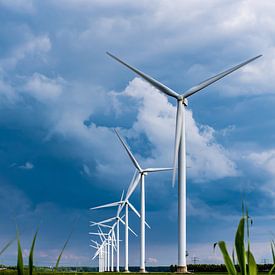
<point>264,160</point>
<point>7,92</point>
<point>34,45</point>
<point>43,88</point>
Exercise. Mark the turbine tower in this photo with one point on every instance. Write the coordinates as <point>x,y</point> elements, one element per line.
<point>180,146</point>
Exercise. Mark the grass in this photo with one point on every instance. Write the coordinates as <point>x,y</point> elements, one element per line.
<point>14,272</point>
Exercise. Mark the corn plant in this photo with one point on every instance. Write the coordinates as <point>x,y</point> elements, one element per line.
<point>31,254</point>
<point>20,262</point>
<point>273,255</point>
<point>62,250</point>
<point>246,260</point>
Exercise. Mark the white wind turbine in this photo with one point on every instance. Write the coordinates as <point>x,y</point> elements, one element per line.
<point>101,250</point>
<point>100,254</point>
<point>109,242</point>
<point>180,146</point>
<point>116,224</point>
<point>139,179</point>
<point>124,204</point>
<point>113,243</point>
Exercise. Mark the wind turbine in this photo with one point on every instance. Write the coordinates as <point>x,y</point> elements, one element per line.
<point>139,179</point>
<point>101,251</point>
<point>115,225</point>
<point>180,146</point>
<point>124,204</point>
<point>107,239</point>
<point>118,220</point>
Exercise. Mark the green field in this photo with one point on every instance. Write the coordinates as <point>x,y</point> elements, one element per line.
<point>122,273</point>
<point>14,272</point>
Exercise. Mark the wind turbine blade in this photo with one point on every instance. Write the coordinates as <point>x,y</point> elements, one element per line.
<point>132,181</point>
<point>120,206</point>
<point>133,186</point>
<point>137,213</point>
<point>95,255</point>
<point>128,151</point>
<point>215,78</point>
<point>107,220</point>
<point>177,138</point>
<point>132,231</point>
<point>96,243</point>
<point>101,238</point>
<point>133,209</point>
<point>102,234</point>
<point>147,225</point>
<point>149,170</point>
<point>161,87</point>
<point>96,233</point>
<point>122,221</point>
<point>106,205</point>
<point>122,195</point>
<point>100,224</point>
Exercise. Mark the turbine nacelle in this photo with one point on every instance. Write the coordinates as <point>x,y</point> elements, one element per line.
<point>183,100</point>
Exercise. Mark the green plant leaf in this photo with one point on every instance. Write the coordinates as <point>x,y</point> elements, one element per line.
<point>247,223</point>
<point>20,264</point>
<point>227,260</point>
<point>248,242</point>
<point>272,250</point>
<point>240,247</point>
<point>61,253</point>
<point>7,246</point>
<point>271,270</point>
<point>252,266</point>
<point>31,253</point>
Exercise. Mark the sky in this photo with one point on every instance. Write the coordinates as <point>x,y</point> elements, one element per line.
<point>61,96</point>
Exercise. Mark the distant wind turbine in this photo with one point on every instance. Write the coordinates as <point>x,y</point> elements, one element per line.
<point>180,146</point>
<point>101,252</point>
<point>122,204</point>
<point>118,220</point>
